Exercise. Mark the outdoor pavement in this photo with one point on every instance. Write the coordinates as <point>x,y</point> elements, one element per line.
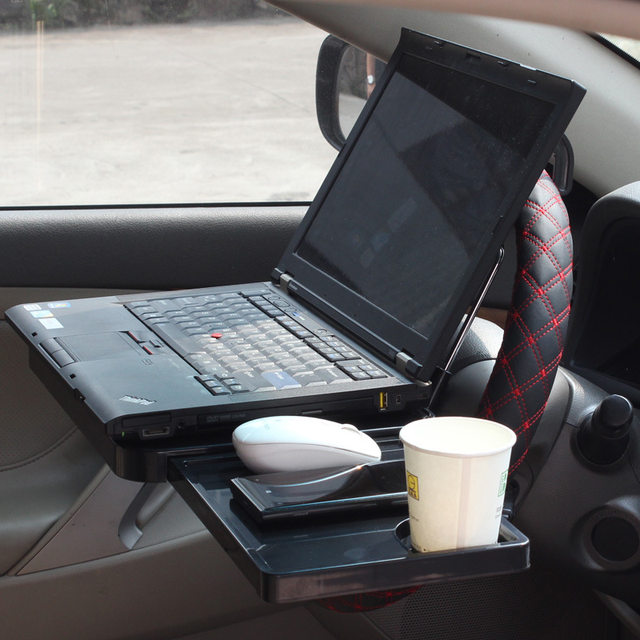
<point>206,112</point>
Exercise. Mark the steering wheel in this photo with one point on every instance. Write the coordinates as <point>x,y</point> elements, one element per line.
<point>520,383</point>
<point>536,326</point>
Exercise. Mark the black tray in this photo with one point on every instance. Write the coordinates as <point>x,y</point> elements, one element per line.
<point>329,557</point>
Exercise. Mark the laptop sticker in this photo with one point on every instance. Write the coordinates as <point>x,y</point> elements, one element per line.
<point>51,323</point>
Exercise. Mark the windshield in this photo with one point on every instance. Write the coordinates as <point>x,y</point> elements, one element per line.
<point>148,101</point>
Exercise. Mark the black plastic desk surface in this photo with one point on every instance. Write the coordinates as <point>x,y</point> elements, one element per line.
<point>320,558</point>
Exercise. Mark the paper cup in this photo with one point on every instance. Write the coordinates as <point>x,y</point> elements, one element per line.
<point>456,479</point>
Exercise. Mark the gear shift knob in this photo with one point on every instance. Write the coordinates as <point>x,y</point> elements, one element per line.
<point>603,436</point>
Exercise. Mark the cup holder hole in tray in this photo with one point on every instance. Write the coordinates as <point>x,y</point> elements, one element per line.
<point>403,534</point>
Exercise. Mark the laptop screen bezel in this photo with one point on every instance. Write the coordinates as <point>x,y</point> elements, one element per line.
<point>369,323</point>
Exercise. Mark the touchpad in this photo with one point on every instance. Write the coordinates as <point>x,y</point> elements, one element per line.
<point>98,346</point>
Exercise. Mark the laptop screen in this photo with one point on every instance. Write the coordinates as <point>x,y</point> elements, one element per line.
<point>423,188</point>
<point>408,223</point>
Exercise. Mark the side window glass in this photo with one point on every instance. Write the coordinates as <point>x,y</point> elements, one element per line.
<point>157,101</point>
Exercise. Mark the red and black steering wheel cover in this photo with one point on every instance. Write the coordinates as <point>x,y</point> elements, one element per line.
<point>536,325</point>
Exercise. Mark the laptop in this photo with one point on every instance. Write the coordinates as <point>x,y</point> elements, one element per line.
<point>362,310</point>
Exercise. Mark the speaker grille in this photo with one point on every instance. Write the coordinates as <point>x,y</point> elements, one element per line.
<point>615,539</point>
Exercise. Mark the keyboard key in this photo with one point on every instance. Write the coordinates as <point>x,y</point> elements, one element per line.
<point>211,369</point>
<point>150,315</point>
<point>296,369</point>
<point>213,385</point>
<point>350,368</point>
<point>281,380</point>
<point>361,370</point>
<point>219,390</point>
<point>332,375</point>
<point>188,324</point>
<point>371,369</point>
<point>267,366</point>
<point>287,362</point>
<point>141,308</point>
<point>195,331</point>
<point>253,380</point>
<point>240,367</point>
<point>286,339</point>
<point>186,301</point>
<point>308,378</point>
<point>165,305</point>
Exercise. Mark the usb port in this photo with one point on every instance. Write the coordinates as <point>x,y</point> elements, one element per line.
<point>155,432</point>
<point>383,401</point>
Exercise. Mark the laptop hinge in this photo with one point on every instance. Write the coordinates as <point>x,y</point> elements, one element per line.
<point>284,281</point>
<point>406,364</point>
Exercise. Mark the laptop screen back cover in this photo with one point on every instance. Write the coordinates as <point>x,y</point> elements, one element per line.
<point>409,220</point>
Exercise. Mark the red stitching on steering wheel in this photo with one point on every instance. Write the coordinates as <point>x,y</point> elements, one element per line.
<point>519,387</point>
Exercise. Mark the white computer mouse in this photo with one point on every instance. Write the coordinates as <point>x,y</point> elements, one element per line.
<point>297,443</point>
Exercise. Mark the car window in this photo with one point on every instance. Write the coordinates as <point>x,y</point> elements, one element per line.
<point>157,101</point>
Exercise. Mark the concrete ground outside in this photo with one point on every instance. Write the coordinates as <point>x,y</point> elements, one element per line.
<point>200,112</point>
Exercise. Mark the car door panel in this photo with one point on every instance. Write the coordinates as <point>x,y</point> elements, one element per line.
<point>143,247</point>
<point>69,528</point>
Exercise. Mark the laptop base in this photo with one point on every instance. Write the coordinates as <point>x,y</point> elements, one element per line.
<point>147,461</point>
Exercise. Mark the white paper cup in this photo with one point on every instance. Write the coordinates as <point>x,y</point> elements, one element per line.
<point>456,479</point>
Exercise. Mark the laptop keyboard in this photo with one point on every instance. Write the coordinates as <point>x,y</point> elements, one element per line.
<point>240,343</point>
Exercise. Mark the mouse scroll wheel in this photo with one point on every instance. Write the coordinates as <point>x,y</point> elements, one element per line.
<point>350,427</point>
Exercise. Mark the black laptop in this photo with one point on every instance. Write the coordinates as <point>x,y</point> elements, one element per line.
<point>363,308</point>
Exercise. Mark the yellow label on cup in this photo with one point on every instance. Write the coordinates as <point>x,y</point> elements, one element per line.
<point>412,486</point>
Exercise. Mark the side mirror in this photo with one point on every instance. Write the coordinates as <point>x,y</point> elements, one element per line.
<point>345,77</point>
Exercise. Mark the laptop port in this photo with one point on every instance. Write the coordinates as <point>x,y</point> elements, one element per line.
<point>383,401</point>
<point>155,432</point>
